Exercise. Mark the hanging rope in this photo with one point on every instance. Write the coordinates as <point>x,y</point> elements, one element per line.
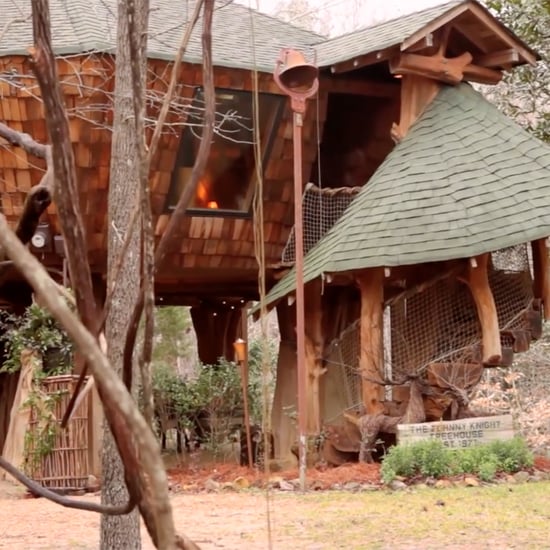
<point>259,250</point>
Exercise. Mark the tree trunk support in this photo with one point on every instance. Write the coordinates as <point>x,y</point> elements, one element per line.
<point>477,280</point>
<point>371,286</point>
<point>417,92</point>
<point>314,355</point>
<point>541,284</point>
<point>216,326</point>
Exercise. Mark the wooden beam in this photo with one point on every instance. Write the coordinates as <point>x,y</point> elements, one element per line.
<point>449,70</point>
<point>433,26</point>
<point>371,286</point>
<point>466,34</point>
<point>364,60</point>
<point>314,345</point>
<point>359,87</point>
<point>424,43</point>
<point>483,75</point>
<point>477,279</point>
<point>501,58</point>
<point>437,67</point>
<point>541,266</point>
<point>502,32</point>
<point>417,93</point>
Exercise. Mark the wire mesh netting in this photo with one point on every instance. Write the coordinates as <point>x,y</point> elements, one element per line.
<point>321,209</point>
<point>511,284</point>
<point>435,327</point>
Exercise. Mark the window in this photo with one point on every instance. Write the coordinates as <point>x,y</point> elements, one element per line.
<point>227,187</point>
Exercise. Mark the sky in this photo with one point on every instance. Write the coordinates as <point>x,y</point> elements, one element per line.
<point>347,15</point>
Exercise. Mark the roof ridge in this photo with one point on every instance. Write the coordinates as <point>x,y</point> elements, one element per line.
<point>399,18</point>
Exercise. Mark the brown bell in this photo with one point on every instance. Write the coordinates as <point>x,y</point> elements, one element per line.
<point>296,73</point>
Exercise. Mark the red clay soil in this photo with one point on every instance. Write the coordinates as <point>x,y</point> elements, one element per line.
<point>193,478</point>
<point>542,463</point>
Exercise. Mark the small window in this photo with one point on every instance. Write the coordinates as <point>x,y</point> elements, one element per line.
<point>227,187</point>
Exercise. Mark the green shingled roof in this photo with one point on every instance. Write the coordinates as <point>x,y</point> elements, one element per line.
<point>465,180</point>
<point>90,25</point>
<point>241,38</point>
<point>380,36</point>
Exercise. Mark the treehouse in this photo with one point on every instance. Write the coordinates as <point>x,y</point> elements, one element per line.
<point>386,224</point>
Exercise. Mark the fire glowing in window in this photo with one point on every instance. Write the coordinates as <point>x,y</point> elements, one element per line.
<point>228,184</point>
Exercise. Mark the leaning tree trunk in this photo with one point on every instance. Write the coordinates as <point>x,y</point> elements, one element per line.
<point>121,532</point>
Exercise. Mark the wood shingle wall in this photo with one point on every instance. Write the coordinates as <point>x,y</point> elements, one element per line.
<point>88,82</point>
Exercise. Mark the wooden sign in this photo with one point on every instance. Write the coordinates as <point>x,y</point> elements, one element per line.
<point>459,434</point>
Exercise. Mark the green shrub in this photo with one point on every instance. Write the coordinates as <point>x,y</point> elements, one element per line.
<point>488,469</point>
<point>400,461</point>
<point>513,455</point>
<point>431,458</point>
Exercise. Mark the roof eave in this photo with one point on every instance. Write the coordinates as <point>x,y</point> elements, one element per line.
<point>528,54</point>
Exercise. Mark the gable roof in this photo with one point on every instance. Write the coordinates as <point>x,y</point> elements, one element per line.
<point>241,37</point>
<point>378,37</point>
<point>465,180</point>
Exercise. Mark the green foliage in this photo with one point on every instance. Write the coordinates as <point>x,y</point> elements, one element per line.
<point>524,93</point>
<point>432,458</point>
<point>216,390</point>
<point>40,440</point>
<point>36,330</point>
<point>256,389</point>
<point>173,335</point>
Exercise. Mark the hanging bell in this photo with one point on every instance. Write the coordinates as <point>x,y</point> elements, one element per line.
<point>296,73</point>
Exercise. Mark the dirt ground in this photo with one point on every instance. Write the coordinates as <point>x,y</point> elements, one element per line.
<point>231,520</point>
<point>223,519</point>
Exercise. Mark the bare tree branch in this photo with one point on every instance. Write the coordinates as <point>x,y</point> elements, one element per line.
<point>165,109</point>
<point>177,217</point>
<point>25,141</point>
<point>65,191</point>
<point>167,104</point>
<point>137,47</point>
<point>37,489</point>
<point>37,200</point>
<point>146,477</point>
<point>8,25</point>
<point>120,408</point>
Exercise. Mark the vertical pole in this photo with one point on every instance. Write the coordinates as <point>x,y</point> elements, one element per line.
<point>300,82</point>
<point>300,323</point>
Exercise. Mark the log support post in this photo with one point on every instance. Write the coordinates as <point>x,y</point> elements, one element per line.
<point>417,92</point>
<point>541,283</point>
<point>285,401</point>
<point>371,286</point>
<point>314,355</point>
<point>477,279</point>
<point>216,327</point>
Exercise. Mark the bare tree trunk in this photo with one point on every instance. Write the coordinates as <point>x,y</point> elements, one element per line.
<point>122,532</point>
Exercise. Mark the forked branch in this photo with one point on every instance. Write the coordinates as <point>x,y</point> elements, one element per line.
<point>38,490</point>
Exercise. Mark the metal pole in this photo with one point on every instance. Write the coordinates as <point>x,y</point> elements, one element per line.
<point>300,322</point>
<point>299,80</point>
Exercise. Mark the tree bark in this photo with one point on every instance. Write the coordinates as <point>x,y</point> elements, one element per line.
<point>121,532</point>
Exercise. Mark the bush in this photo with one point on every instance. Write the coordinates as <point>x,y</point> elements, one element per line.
<point>431,458</point>
<point>35,330</point>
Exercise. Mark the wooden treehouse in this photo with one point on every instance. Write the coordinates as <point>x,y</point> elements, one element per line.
<point>463,191</point>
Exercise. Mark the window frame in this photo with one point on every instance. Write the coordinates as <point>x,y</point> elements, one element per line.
<point>267,147</point>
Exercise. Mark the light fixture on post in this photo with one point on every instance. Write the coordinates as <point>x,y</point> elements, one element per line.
<point>299,80</point>
<point>241,354</point>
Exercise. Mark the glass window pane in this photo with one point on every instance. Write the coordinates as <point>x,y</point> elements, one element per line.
<point>228,182</point>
